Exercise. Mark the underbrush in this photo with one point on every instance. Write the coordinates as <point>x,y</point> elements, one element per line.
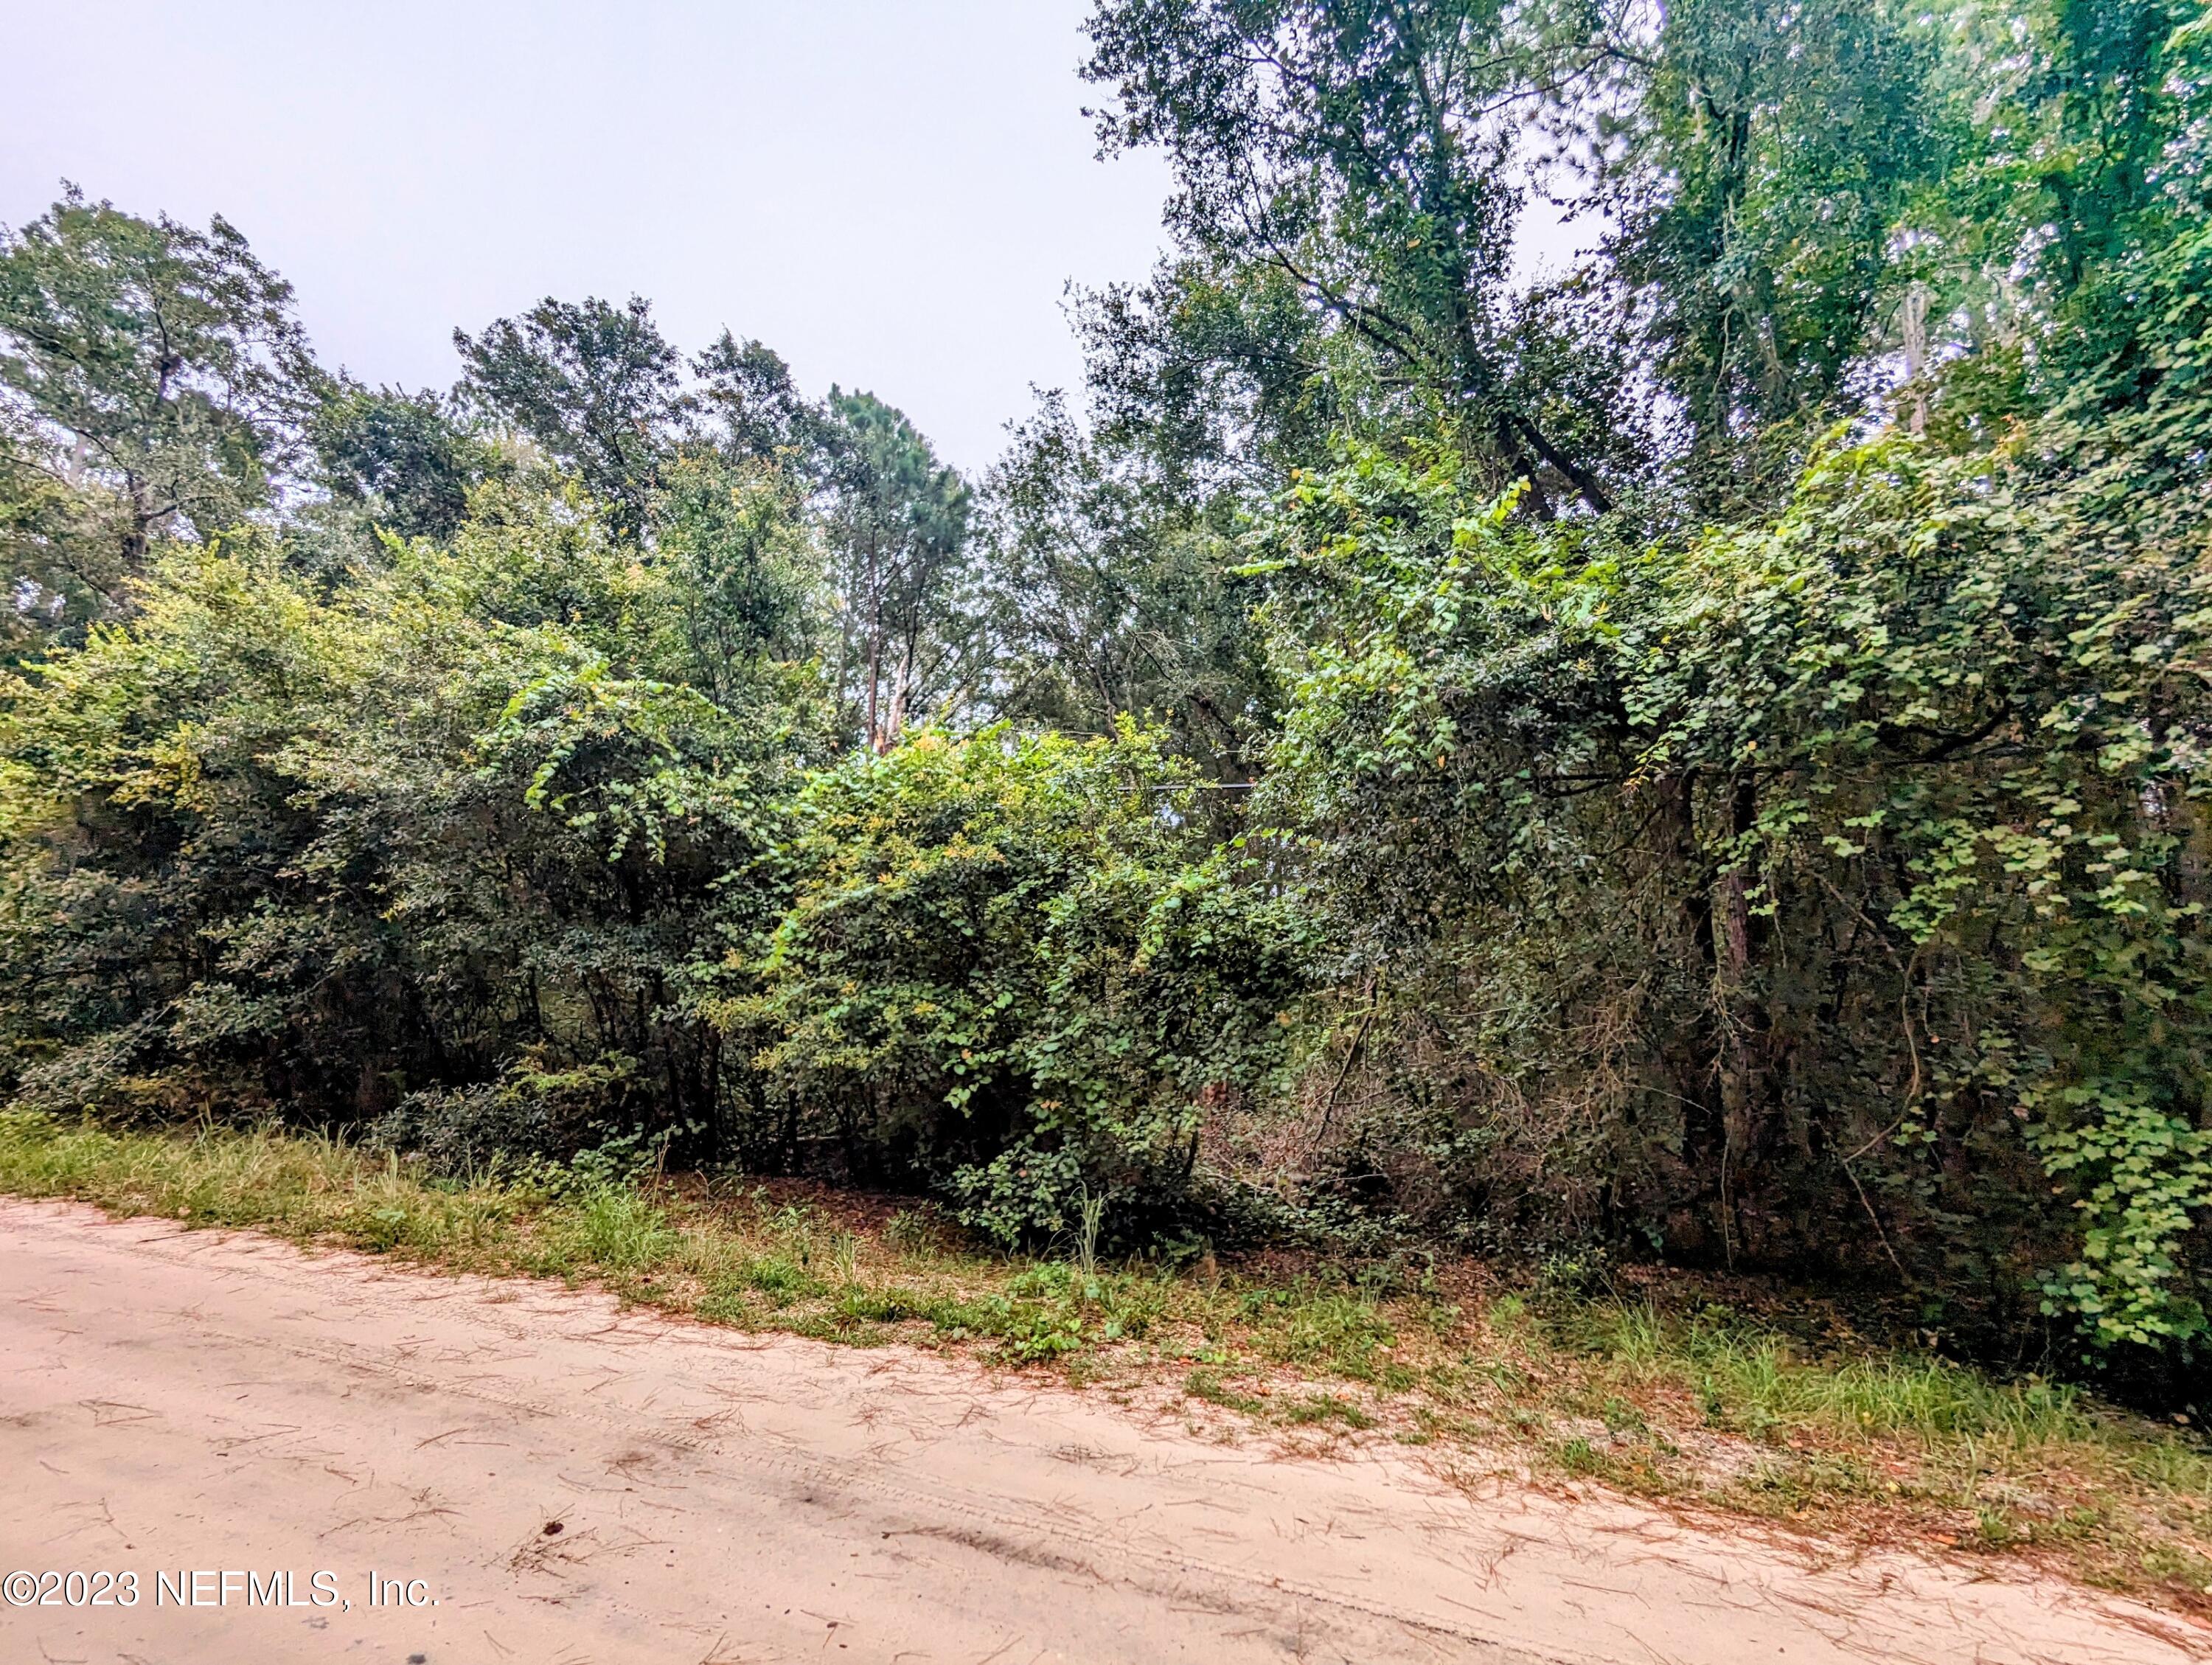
<point>1677,1399</point>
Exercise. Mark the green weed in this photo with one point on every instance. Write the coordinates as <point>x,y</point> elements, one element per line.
<point>2027,1462</point>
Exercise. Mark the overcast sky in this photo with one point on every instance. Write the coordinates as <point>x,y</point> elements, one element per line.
<point>891,193</point>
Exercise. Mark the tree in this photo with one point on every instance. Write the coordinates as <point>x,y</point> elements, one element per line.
<point>1360,150</point>
<point>594,385</point>
<point>1110,598</point>
<point>741,572</point>
<point>1832,888</point>
<point>156,380</point>
<point>56,538</point>
<point>1214,378</point>
<point>1004,964</point>
<point>1757,170</point>
<point>896,520</point>
<point>400,845</point>
<point>2086,174</point>
<point>404,457</point>
<point>748,386</point>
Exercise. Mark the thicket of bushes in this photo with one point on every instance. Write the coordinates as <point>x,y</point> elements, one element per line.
<point>1386,772</point>
<point>1841,881</point>
<point>411,855</point>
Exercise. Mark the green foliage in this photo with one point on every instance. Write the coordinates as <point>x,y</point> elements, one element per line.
<point>529,1113</point>
<point>1698,754</point>
<point>402,457</point>
<point>748,386</point>
<point>323,851</point>
<point>896,527</point>
<point>1857,856</point>
<point>1011,963</point>
<point>1107,602</point>
<point>152,382</point>
<point>1214,373</point>
<point>742,584</point>
<point>1769,155</point>
<point>593,383</point>
<point>54,536</point>
<point>1348,155</point>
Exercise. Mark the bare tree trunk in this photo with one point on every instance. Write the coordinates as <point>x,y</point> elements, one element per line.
<point>875,658</point>
<point>895,718</point>
<point>1914,321</point>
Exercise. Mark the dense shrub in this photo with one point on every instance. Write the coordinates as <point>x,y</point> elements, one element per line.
<point>270,846</point>
<point>472,1129</point>
<point>1826,892</point>
<point>1012,963</point>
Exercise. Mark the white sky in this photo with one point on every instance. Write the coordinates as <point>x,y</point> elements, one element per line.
<point>894,194</point>
<point>891,193</point>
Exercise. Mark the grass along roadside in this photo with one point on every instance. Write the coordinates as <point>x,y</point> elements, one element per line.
<point>1694,1405</point>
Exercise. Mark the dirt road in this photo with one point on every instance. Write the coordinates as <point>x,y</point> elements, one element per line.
<point>174,1402</point>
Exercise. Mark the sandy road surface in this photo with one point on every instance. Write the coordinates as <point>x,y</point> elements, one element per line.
<point>177,1401</point>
